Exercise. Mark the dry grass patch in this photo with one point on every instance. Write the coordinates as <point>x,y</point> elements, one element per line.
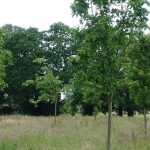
<point>70,133</point>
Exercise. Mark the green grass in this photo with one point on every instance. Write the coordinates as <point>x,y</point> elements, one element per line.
<point>70,133</point>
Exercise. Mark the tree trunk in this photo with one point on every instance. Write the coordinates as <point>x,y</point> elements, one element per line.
<point>55,110</point>
<point>145,122</point>
<point>109,125</point>
<point>120,111</point>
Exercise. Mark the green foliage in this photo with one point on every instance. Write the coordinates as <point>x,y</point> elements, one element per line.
<point>5,59</point>
<point>47,85</point>
<point>25,47</point>
<point>8,30</point>
<point>2,74</point>
<point>106,35</point>
<point>32,53</point>
<point>138,71</point>
<point>2,67</point>
<point>58,43</point>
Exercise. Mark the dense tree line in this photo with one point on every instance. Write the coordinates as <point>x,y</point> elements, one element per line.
<point>37,66</point>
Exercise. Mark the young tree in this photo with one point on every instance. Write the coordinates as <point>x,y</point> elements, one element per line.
<point>47,85</point>
<point>109,25</point>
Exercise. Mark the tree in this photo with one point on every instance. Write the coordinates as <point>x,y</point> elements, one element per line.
<point>8,30</point>
<point>25,47</point>
<point>58,42</point>
<point>47,85</point>
<point>125,103</point>
<point>84,93</point>
<point>109,26</point>
<point>138,73</point>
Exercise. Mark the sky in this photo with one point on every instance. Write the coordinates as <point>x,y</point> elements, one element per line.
<point>36,13</point>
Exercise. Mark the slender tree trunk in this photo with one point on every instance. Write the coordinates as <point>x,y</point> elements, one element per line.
<point>109,125</point>
<point>120,111</point>
<point>145,122</point>
<point>55,110</point>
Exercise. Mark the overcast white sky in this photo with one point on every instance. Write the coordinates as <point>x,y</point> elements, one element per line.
<point>36,13</point>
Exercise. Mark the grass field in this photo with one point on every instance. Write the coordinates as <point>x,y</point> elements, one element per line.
<point>70,133</point>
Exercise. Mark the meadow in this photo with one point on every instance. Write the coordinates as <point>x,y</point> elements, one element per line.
<point>71,133</point>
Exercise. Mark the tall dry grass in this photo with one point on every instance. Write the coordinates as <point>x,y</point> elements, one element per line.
<point>71,133</point>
